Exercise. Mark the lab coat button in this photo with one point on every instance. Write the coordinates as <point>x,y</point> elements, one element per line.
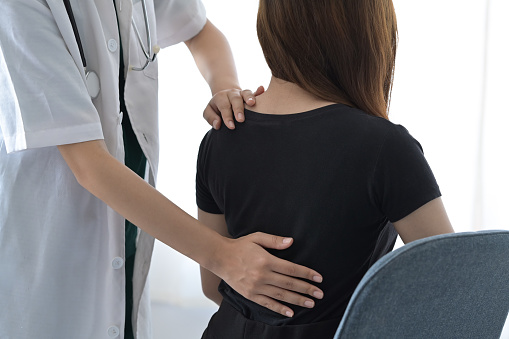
<point>117,263</point>
<point>113,332</point>
<point>112,45</point>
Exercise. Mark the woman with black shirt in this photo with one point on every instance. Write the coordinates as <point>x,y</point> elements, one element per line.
<point>317,158</point>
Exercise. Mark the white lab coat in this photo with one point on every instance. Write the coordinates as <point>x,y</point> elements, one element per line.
<point>62,249</point>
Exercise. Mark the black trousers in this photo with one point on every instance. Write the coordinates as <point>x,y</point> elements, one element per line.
<point>228,323</point>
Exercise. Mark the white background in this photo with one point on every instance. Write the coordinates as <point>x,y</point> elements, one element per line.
<point>450,92</point>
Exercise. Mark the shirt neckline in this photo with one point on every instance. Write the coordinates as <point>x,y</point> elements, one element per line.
<point>252,115</point>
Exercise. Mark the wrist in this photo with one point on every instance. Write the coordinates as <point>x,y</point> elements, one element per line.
<point>223,85</point>
<point>213,259</point>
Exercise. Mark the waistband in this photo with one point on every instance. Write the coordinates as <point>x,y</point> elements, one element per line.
<point>228,323</point>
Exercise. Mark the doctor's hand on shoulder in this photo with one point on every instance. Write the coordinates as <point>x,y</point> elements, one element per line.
<point>228,105</point>
<point>214,59</point>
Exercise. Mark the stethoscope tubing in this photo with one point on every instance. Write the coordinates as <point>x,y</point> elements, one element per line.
<point>147,29</point>
<point>92,79</point>
<point>68,8</point>
<point>147,52</point>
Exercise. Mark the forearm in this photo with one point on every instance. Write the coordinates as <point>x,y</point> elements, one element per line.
<point>121,189</point>
<point>214,58</point>
<point>209,281</point>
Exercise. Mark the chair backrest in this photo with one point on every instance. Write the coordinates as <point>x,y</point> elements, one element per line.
<point>447,286</point>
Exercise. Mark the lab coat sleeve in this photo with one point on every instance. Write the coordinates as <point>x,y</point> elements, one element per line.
<point>43,96</point>
<point>178,20</point>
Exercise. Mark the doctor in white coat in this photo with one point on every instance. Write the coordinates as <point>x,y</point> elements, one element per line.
<point>64,189</point>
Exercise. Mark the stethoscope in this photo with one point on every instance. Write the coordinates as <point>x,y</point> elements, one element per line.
<point>91,77</point>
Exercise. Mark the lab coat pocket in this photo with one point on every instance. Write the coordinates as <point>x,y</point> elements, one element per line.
<point>143,44</point>
<point>152,68</point>
<point>137,59</point>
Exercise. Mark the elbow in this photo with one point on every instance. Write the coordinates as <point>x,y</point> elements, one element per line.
<point>83,160</point>
<point>209,292</point>
<point>212,294</point>
<point>82,177</point>
<point>82,171</point>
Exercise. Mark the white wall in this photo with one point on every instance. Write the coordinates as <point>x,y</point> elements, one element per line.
<point>438,96</point>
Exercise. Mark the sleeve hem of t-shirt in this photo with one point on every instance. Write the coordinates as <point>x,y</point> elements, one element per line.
<point>53,137</point>
<point>190,30</point>
<point>209,208</point>
<point>430,196</point>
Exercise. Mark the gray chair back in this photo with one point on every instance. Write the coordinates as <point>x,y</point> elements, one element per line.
<point>447,286</point>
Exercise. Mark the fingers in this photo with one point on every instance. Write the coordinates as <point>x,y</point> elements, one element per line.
<point>248,97</point>
<point>259,91</point>
<point>293,270</point>
<point>237,103</point>
<point>283,266</point>
<point>286,286</point>
<point>270,240</point>
<point>269,294</point>
<point>273,305</point>
<point>266,279</point>
<point>228,106</point>
<point>210,115</point>
<point>223,108</point>
<point>287,296</point>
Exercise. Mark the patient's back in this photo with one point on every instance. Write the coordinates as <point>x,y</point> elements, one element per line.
<point>330,178</point>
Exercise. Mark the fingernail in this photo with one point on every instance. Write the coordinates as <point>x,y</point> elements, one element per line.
<point>215,124</point>
<point>231,124</point>
<point>240,116</point>
<point>287,240</point>
<point>289,314</point>
<point>251,99</point>
<point>309,303</point>
<point>317,278</point>
<point>318,295</point>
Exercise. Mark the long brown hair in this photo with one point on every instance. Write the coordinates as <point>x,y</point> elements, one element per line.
<point>339,50</point>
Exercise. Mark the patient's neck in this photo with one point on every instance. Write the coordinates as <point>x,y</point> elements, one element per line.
<point>283,97</point>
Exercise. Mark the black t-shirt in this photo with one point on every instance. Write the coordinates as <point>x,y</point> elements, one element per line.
<point>331,178</point>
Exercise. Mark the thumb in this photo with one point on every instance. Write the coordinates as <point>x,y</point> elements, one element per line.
<point>270,240</point>
<point>259,91</point>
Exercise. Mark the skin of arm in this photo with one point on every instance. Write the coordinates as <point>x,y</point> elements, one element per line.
<point>210,281</point>
<point>242,263</point>
<point>214,59</point>
<point>428,220</point>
